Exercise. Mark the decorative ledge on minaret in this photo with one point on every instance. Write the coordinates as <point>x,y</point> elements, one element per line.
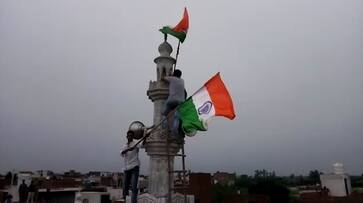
<point>157,91</point>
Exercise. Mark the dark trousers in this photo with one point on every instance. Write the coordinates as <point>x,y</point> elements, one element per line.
<point>23,197</point>
<point>131,176</point>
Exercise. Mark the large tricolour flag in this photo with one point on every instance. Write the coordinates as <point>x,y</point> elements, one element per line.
<point>211,100</point>
<point>180,30</point>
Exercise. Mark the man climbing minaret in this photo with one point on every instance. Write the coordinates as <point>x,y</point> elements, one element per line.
<point>177,95</point>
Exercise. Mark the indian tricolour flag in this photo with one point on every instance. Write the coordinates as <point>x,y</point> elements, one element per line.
<point>180,30</point>
<point>211,100</point>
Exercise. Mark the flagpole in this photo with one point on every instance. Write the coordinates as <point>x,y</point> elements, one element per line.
<point>177,54</point>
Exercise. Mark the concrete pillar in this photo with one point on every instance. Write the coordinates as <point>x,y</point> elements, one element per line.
<point>155,146</point>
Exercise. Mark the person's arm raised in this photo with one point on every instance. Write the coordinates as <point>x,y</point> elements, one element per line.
<point>123,152</point>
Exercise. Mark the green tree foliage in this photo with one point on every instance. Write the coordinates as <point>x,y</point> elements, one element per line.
<point>262,183</point>
<point>314,177</point>
<point>220,192</point>
<point>242,183</point>
<point>266,183</point>
<point>357,181</point>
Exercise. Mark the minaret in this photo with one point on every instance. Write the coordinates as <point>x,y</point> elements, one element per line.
<point>156,144</point>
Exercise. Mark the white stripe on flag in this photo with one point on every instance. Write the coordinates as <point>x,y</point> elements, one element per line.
<point>201,100</point>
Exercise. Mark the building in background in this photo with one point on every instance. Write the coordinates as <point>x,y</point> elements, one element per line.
<point>224,178</point>
<point>338,183</point>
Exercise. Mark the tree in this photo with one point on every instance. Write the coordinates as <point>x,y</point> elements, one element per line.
<point>314,177</point>
<point>266,183</point>
<point>242,181</point>
<point>277,192</point>
<point>242,184</point>
<point>219,192</point>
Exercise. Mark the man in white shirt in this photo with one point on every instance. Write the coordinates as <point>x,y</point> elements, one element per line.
<point>130,153</point>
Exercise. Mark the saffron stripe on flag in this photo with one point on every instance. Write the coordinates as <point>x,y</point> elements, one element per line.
<point>221,99</point>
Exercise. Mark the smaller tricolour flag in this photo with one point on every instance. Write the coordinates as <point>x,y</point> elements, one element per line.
<point>180,30</point>
<point>211,100</point>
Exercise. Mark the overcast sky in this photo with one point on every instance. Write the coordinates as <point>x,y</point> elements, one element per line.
<point>74,74</point>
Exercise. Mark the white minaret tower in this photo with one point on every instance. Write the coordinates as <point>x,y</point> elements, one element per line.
<point>156,144</point>
<point>338,183</point>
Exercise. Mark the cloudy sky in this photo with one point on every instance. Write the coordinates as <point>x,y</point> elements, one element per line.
<point>74,74</point>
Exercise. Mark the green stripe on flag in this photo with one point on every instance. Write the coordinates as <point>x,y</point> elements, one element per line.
<point>189,117</point>
<point>180,35</point>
